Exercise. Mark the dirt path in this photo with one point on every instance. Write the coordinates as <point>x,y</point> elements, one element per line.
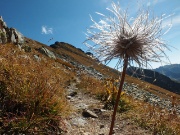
<point>79,124</point>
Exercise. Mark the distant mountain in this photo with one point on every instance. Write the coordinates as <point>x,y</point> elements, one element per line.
<point>155,78</point>
<point>172,71</point>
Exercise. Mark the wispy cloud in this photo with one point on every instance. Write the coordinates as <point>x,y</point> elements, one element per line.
<point>154,2</point>
<point>174,32</point>
<point>46,30</point>
<point>173,19</point>
<point>176,20</point>
<point>176,10</point>
<point>104,1</point>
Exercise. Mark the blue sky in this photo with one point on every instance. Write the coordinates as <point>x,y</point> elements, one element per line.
<point>67,20</point>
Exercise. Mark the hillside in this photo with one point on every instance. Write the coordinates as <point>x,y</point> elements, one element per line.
<point>172,71</point>
<point>59,89</point>
<point>155,78</point>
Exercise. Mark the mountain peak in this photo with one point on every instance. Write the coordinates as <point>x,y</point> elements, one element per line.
<point>172,71</point>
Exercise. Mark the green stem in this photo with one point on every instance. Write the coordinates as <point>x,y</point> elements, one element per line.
<point>119,95</point>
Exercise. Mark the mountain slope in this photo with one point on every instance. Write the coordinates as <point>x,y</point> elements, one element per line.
<point>49,70</point>
<point>172,71</point>
<point>155,78</point>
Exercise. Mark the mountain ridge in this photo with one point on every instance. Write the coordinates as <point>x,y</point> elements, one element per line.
<point>155,78</point>
<point>172,71</point>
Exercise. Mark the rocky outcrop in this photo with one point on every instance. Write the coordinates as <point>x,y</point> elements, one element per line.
<point>47,52</point>
<point>9,35</point>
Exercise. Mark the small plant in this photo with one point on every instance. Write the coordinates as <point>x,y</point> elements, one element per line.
<point>111,90</point>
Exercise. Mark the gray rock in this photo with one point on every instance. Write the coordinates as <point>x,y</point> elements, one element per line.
<point>2,23</point>
<point>102,126</point>
<point>78,122</point>
<point>86,133</point>
<point>47,52</point>
<point>26,48</point>
<point>135,92</point>
<point>69,97</point>
<point>37,58</point>
<point>9,35</point>
<point>72,94</point>
<point>81,106</point>
<point>88,113</point>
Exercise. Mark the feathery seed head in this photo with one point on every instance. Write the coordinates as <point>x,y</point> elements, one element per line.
<point>138,39</point>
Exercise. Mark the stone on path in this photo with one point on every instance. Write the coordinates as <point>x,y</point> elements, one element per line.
<point>88,113</point>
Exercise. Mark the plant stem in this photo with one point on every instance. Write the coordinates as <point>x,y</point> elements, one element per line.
<point>119,94</point>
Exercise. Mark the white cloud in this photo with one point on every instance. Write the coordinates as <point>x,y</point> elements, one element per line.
<point>172,19</point>
<point>176,10</point>
<point>153,2</point>
<point>105,1</point>
<point>176,20</point>
<point>158,1</point>
<point>46,30</point>
<point>148,4</point>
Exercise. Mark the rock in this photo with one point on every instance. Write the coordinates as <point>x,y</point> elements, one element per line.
<point>82,106</point>
<point>47,52</point>
<point>26,48</point>
<point>9,35</point>
<point>97,111</point>
<point>79,122</point>
<point>37,58</point>
<point>86,133</point>
<point>69,97</point>
<point>146,96</point>
<point>88,113</point>
<point>102,126</point>
<point>72,94</point>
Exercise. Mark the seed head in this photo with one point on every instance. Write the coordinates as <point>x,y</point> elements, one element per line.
<point>117,37</point>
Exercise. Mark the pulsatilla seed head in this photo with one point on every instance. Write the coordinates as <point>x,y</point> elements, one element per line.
<point>130,47</point>
<point>117,37</point>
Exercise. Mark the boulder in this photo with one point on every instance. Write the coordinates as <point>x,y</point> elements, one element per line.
<point>9,35</point>
<point>88,113</point>
<point>47,52</point>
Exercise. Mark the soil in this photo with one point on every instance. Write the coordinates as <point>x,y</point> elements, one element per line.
<point>77,124</point>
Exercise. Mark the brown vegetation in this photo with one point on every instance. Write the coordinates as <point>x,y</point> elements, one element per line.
<point>32,93</point>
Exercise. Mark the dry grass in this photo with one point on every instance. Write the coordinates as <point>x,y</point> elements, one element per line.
<point>64,63</point>
<point>31,93</point>
<point>91,85</point>
<point>150,117</point>
<point>159,121</point>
